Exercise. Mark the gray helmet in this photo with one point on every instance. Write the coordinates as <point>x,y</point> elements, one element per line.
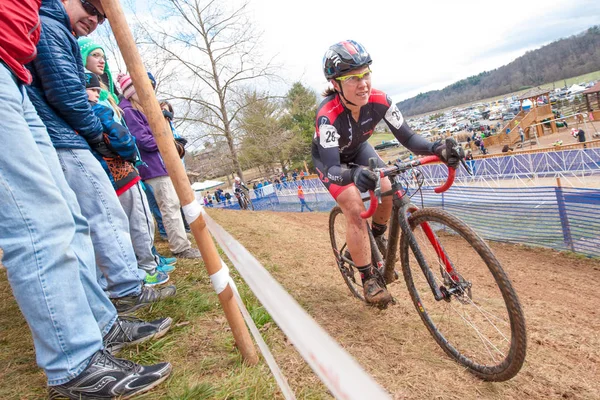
<point>343,57</point>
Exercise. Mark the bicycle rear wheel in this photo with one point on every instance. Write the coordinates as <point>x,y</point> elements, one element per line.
<point>480,322</point>
<point>249,204</point>
<point>337,235</point>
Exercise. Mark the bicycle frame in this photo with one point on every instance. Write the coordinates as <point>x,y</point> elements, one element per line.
<point>399,224</point>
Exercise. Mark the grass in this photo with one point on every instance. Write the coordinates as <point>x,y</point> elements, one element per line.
<point>378,137</point>
<point>206,364</point>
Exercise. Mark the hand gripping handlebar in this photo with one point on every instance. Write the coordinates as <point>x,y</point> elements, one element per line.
<point>375,195</point>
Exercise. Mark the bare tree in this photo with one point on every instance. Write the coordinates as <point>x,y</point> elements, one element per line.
<point>216,53</point>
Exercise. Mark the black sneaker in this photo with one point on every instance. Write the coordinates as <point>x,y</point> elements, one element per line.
<point>108,377</point>
<point>148,295</point>
<point>190,253</point>
<point>128,331</point>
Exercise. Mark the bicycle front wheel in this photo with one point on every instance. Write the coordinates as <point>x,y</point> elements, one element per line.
<point>479,322</point>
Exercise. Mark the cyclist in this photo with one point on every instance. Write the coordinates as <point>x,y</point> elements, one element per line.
<point>237,187</point>
<point>345,120</point>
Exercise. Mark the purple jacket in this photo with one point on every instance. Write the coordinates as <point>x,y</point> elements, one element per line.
<point>139,127</point>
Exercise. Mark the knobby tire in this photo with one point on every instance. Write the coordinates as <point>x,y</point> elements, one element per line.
<point>477,320</point>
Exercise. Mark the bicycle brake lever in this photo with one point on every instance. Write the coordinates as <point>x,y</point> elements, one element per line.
<point>373,167</point>
<point>464,164</point>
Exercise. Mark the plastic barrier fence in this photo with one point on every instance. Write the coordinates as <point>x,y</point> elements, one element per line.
<point>558,218</point>
<point>578,162</point>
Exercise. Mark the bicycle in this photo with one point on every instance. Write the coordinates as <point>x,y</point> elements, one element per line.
<point>457,285</point>
<point>245,202</point>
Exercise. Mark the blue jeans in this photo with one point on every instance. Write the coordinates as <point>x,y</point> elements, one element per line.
<point>48,253</point>
<point>109,226</point>
<point>155,210</point>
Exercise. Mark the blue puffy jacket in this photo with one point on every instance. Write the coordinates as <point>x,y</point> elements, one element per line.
<point>58,87</point>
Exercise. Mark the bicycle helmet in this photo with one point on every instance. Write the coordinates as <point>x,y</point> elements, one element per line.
<point>343,57</point>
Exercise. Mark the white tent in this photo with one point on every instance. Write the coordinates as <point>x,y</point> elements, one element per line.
<point>199,186</point>
<point>576,89</point>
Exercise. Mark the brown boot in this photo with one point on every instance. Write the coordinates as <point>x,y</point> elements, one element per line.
<point>375,294</point>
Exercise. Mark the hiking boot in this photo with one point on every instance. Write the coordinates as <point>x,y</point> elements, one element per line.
<point>148,295</point>
<point>108,377</point>
<point>375,294</point>
<point>128,331</point>
<point>158,278</point>
<point>189,253</point>
<point>382,243</point>
<point>165,268</point>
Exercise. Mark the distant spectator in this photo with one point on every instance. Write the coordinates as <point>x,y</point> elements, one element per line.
<point>302,200</point>
<point>522,134</point>
<point>506,149</point>
<point>581,137</point>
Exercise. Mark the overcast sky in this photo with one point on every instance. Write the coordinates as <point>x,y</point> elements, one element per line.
<point>416,46</point>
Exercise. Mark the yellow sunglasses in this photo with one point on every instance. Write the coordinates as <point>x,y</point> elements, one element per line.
<point>355,78</point>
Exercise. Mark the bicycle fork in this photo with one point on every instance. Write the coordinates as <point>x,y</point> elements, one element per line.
<point>401,208</point>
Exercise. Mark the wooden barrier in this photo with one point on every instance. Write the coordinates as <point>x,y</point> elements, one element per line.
<point>164,140</point>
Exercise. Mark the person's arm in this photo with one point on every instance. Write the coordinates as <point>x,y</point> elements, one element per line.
<point>405,135</point>
<point>117,136</point>
<point>61,80</point>
<point>138,126</point>
<point>326,140</point>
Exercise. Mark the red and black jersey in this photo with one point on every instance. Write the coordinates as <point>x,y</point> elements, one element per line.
<point>339,139</point>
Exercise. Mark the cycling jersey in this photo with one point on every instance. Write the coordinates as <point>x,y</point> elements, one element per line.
<point>237,187</point>
<point>339,139</point>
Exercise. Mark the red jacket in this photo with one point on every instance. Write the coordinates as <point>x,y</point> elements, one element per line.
<point>20,27</point>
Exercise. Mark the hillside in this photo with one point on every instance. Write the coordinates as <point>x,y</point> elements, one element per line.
<point>564,58</point>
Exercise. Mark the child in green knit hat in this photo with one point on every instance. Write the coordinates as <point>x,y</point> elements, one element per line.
<point>94,60</point>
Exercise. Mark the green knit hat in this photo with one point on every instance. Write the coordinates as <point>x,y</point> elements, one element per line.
<point>86,46</point>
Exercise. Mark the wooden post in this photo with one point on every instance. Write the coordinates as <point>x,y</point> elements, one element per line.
<point>166,146</point>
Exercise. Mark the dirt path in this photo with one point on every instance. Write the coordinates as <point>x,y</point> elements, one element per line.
<point>559,295</point>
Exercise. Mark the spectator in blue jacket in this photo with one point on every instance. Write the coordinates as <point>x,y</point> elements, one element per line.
<point>48,253</point>
<point>59,96</point>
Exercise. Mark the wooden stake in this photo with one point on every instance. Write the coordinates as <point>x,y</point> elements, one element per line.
<point>166,146</point>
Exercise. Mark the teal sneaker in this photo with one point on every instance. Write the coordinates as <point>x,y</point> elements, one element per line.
<point>167,260</point>
<point>165,268</point>
<point>158,278</point>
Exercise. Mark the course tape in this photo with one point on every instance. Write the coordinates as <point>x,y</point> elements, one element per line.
<point>192,211</point>
<point>342,375</point>
<point>221,278</point>
<point>287,392</point>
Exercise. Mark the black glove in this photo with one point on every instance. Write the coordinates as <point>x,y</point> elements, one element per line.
<point>364,179</point>
<point>449,152</point>
<point>103,149</point>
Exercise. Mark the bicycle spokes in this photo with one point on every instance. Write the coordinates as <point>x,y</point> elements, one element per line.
<point>479,321</point>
